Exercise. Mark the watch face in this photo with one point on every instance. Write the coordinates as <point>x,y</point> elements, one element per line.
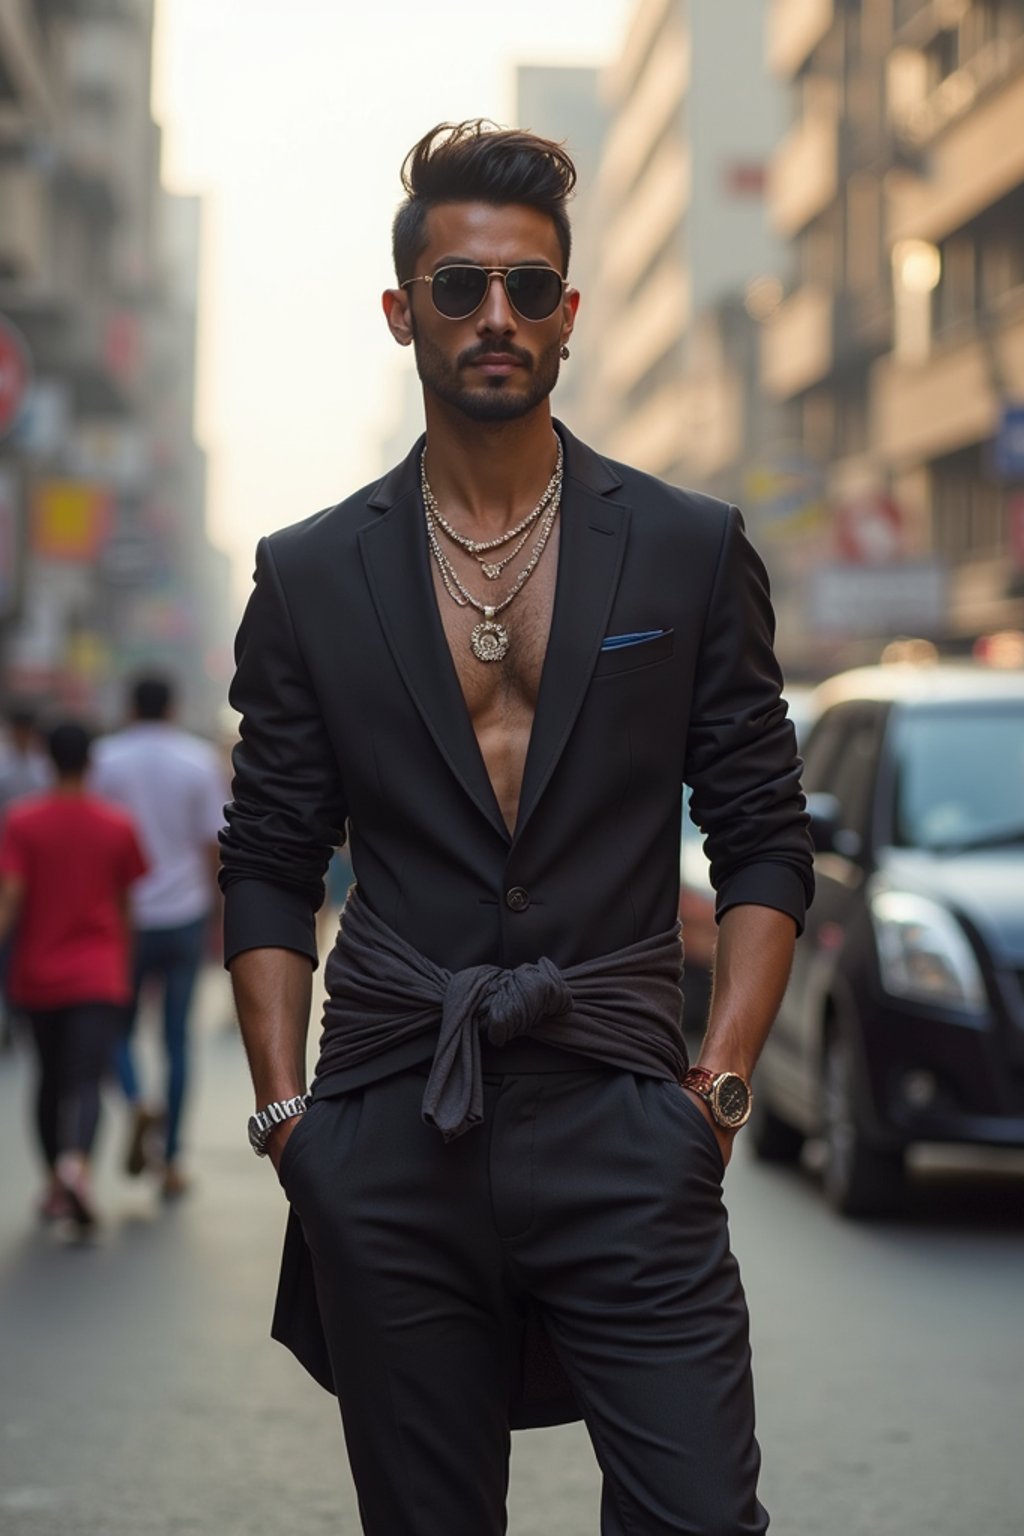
<point>731,1101</point>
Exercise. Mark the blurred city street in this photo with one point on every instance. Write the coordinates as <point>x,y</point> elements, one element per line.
<point>797,244</point>
<point>140,1392</point>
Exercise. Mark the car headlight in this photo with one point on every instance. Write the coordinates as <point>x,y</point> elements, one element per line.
<point>923,953</point>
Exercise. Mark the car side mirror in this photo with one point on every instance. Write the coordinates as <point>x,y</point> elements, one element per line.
<point>827,831</point>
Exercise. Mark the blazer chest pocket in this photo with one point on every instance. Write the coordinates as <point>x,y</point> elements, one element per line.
<point>632,658</point>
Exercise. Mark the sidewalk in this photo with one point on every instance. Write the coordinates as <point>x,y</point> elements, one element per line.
<point>140,1394</point>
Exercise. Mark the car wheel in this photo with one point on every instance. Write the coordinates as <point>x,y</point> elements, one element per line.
<point>773,1139</point>
<point>859,1180</point>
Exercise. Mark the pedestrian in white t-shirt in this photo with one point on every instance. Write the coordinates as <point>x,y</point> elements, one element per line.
<point>173,785</point>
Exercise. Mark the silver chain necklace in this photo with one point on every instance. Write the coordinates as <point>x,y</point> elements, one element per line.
<point>492,569</point>
<point>489,640</point>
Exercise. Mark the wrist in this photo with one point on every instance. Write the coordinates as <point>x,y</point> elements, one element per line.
<point>726,1096</point>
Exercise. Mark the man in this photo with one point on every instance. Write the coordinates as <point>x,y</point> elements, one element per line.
<point>496,667</point>
<point>66,864</point>
<point>172,784</point>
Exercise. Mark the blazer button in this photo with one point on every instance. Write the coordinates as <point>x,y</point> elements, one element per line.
<point>517,900</point>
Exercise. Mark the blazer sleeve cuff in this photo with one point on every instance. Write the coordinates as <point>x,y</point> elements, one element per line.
<point>765,885</point>
<point>260,915</point>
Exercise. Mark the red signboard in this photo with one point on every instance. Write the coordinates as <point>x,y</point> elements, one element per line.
<point>14,374</point>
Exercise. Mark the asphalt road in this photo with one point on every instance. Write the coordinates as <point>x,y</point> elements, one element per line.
<point>140,1396</point>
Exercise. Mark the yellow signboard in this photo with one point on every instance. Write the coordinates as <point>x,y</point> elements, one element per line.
<point>71,520</point>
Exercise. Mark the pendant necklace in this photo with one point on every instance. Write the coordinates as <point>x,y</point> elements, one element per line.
<point>489,640</point>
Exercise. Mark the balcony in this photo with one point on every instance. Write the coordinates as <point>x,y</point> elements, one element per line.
<point>653,437</point>
<point>795,28</point>
<point>803,178</point>
<point>28,100</point>
<point>23,223</point>
<point>797,343</point>
<point>974,163</point>
<point>921,411</point>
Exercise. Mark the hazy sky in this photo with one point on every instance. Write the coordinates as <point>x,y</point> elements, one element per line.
<point>292,118</point>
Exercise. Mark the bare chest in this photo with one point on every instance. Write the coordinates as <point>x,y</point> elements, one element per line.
<point>501,696</point>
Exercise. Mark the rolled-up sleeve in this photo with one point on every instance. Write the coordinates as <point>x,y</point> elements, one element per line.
<point>742,763</point>
<point>287,811</point>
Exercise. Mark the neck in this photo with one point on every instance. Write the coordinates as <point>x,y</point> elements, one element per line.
<point>488,474</point>
<point>70,784</point>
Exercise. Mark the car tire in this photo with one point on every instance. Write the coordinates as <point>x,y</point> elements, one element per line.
<point>858,1179</point>
<point>773,1139</point>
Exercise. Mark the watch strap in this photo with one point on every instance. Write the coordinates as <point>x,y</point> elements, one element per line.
<point>276,1113</point>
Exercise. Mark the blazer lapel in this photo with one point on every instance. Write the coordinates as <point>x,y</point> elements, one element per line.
<point>396,561</point>
<point>591,549</point>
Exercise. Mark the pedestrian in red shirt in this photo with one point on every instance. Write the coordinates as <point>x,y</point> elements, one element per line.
<point>67,860</point>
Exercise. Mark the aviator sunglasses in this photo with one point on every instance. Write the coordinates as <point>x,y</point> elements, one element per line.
<point>458,291</point>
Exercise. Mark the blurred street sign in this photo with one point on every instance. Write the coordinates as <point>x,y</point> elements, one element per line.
<point>70,520</point>
<point>44,425</point>
<point>15,374</point>
<point>786,491</point>
<point>869,528</point>
<point>1008,453</point>
<point>905,597</point>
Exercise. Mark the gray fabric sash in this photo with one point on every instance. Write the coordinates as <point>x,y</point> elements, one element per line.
<point>623,1009</point>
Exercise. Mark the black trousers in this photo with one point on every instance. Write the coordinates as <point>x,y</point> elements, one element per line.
<point>595,1192</point>
<point>74,1047</point>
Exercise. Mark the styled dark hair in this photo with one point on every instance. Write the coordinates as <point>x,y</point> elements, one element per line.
<point>152,697</point>
<point>68,744</point>
<point>478,162</point>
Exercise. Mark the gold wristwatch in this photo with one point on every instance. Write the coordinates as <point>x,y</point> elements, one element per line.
<point>727,1095</point>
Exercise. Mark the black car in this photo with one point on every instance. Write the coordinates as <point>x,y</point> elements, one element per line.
<point>904,1018</point>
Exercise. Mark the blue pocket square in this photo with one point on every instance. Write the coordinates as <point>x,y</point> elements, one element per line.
<point>616,642</point>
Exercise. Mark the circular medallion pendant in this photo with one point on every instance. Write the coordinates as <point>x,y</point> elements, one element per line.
<point>489,640</point>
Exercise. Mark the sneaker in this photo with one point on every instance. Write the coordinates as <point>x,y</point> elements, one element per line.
<point>175,1183</point>
<point>54,1205</point>
<point>138,1153</point>
<point>74,1182</point>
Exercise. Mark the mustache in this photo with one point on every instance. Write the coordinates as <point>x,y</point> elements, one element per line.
<point>490,350</point>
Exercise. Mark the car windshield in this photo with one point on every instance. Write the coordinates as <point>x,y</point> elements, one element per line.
<point>960,777</point>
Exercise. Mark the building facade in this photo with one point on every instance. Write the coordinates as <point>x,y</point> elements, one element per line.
<point>105,564</point>
<point>683,235</point>
<point>897,353</point>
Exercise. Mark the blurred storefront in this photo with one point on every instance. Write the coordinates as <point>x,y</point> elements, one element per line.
<point>105,564</point>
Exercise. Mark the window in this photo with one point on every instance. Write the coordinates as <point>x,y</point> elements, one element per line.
<point>841,760</point>
<point>959,775</point>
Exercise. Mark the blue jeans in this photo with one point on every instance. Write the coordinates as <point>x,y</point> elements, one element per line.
<point>172,956</point>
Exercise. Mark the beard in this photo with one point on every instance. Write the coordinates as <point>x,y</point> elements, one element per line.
<point>493,399</point>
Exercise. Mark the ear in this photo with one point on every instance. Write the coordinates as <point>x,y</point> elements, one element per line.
<point>396,309</point>
<point>570,304</point>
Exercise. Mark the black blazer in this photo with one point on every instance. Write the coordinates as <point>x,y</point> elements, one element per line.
<point>352,715</point>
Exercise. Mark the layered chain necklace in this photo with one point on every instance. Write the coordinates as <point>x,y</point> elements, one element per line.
<point>489,640</point>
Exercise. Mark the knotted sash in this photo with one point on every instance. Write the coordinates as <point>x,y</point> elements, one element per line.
<point>623,1009</point>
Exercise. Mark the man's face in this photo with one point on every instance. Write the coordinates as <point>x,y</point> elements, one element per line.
<point>494,365</point>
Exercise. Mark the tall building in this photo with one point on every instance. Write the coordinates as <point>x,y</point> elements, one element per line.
<point>683,234</point>
<point>898,352</point>
<point>565,103</point>
<point>102,484</point>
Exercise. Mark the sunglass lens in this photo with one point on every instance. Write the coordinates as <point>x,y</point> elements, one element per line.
<point>535,291</point>
<point>457,291</point>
